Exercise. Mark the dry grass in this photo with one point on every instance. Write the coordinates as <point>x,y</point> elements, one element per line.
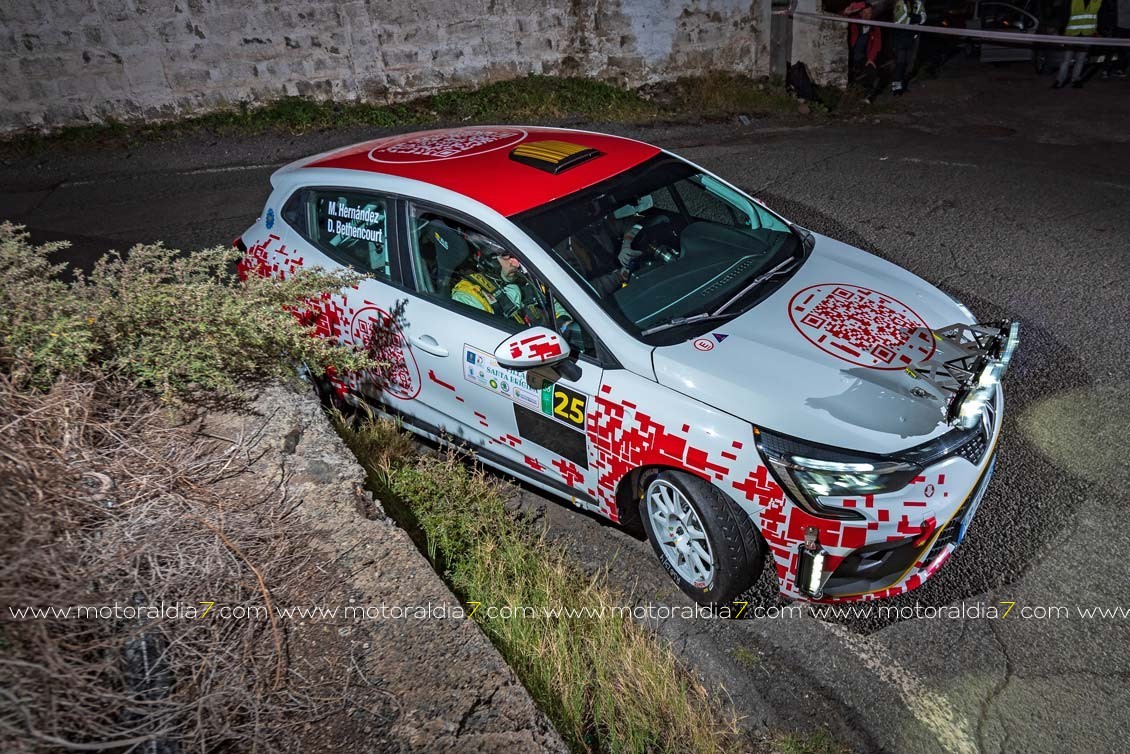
<point>606,683</point>
<point>106,503</point>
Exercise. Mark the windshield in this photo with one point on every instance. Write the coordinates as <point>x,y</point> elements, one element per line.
<point>664,245</point>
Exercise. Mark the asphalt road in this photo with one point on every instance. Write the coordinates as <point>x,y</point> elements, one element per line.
<point>1009,196</point>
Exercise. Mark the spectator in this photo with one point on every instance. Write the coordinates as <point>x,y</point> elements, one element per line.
<point>1083,22</point>
<point>1114,22</point>
<point>864,42</point>
<point>907,12</point>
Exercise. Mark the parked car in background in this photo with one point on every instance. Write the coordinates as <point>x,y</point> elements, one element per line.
<point>1020,17</point>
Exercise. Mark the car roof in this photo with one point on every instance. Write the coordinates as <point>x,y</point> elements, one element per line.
<point>477,161</point>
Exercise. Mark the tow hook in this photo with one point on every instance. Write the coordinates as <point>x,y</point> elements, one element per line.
<point>810,576</point>
<point>925,532</point>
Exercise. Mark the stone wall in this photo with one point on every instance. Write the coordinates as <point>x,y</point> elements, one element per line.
<point>821,45</point>
<point>66,62</point>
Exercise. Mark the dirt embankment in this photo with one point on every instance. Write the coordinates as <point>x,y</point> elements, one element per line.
<point>204,580</point>
<point>446,687</point>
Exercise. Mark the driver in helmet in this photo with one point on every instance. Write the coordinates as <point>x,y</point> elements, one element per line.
<point>587,251</point>
<point>492,279</point>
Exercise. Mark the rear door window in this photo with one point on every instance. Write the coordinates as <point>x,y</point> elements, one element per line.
<point>351,227</point>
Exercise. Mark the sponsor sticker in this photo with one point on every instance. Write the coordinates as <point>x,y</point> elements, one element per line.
<point>704,344</point>
<point>558,402</point>
<point>861,326</point>
<point>269,221</point>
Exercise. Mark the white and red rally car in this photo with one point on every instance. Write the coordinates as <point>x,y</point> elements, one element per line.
<point>626,330</point>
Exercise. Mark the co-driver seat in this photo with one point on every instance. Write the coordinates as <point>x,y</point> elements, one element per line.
<point>451,251</point>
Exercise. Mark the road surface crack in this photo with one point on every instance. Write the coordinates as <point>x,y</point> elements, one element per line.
<point>995,694</point>
<point>781,175</point>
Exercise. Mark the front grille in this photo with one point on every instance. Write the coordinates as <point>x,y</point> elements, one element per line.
<point>974,450</point>
<point>947,537</point>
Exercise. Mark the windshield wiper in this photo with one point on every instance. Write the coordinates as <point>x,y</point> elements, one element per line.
<point>680,321</point>
<point>780,269</point>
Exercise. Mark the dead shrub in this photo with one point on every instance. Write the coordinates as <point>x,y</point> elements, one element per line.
<point>106,502</point>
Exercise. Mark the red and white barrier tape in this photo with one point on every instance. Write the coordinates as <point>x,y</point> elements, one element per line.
<point>1003,36</point>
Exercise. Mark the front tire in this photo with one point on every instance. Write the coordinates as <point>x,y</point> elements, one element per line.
<point>704,540</point>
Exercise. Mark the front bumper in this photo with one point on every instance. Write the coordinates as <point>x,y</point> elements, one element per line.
<point>905,537</point>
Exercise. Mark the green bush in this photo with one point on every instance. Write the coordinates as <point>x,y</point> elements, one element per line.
<point>157,317</point>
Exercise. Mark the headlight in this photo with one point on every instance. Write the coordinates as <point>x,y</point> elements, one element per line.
<point>972,406</point>
<point>810,472</point>
<point>1010,344</point>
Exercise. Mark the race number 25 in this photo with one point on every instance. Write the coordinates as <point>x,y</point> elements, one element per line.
<point>569,406</point>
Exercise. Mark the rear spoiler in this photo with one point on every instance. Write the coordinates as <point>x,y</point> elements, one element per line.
<point>968,364</point>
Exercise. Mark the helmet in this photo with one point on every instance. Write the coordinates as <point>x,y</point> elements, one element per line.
<point>487,251</point>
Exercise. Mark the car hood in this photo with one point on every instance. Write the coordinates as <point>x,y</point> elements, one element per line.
<point>823,358</point>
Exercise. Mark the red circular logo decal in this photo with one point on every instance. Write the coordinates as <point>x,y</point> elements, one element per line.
<point>703,344</point>
<point>431,146</point>
<point>861,326</point>
<point>373,327</point>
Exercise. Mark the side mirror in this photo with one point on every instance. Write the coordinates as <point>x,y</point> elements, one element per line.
<point>535,347</point>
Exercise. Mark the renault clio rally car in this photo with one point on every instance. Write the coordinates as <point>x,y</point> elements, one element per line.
<point>747,388</point>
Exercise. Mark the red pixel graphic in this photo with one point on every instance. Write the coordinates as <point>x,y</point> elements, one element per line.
<point>542,346</point>
<point>401,377</point>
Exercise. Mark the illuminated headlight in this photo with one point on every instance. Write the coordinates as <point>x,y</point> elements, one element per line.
<point>1010,344</point>
<point>810,564</point>
<point>810,472</point>
<point>972,406</point>
<point>993,371</point>
<point>990,375</point>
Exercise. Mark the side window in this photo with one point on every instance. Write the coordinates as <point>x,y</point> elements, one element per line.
<point>350,226</point>
<point>455,262</point>
<point>576,334</point>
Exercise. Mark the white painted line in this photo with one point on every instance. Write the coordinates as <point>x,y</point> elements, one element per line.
<point>947,163</point>
<point>194,171</point>
<point>1112,184</point>
<point>953,731</point>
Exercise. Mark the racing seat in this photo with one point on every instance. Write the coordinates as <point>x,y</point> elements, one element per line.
<point>451,251</point>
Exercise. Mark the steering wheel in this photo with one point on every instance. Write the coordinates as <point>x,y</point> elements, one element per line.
<point>654,231</point>
<point>657,240</point>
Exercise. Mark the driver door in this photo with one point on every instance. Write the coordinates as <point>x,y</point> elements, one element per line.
<point>529,422</point>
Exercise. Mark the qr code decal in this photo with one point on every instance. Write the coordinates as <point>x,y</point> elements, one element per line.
<point>861,326</point>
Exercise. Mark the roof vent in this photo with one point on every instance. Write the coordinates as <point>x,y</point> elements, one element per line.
<point>552,156</point>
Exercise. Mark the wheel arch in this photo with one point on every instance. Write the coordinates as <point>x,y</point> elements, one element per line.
<point>629,490</point>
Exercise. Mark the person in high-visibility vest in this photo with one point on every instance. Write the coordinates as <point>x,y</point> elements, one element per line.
<point>494,281</point>
<point>497,287</point>
<point>908,12</point>
<point>1083,22</point>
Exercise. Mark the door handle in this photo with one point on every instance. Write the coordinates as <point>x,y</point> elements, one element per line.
<point>428,344</point>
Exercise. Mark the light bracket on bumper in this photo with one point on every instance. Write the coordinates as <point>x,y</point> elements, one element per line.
<point>810,575</point>
<point>972,359</point>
